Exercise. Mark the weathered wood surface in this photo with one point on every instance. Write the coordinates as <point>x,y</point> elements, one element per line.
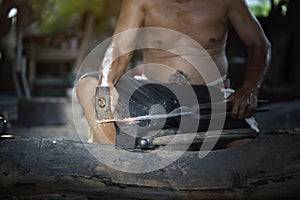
<point>268,167</point>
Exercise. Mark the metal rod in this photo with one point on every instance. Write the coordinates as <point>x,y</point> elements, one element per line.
<point>164,116</point>
<point>214,135</point>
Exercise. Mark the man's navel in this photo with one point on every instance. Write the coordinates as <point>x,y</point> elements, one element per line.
<point>182,1</point>
<point>159,42</point>
<point>212,40</point>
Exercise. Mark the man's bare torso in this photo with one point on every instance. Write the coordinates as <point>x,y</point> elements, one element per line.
<point>205,21</point>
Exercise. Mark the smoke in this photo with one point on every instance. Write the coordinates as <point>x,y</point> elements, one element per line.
<point>106,65</point>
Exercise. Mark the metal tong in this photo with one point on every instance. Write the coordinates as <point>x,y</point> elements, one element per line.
<point>200,111</point>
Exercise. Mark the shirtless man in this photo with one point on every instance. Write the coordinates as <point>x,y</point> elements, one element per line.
<point>206,21</point>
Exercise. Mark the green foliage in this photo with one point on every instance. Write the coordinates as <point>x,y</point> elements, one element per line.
<point>55,15</point>
<point>283,5</point>
<point>261,8</point>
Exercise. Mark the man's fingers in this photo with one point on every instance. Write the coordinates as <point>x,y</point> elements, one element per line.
<point>244,105</point>
<point>250,111</point>
<point>243,111</point>
<point>247,112</point>
<point>235,111</point>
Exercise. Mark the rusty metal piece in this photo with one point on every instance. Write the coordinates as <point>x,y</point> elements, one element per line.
<point>102,103</point>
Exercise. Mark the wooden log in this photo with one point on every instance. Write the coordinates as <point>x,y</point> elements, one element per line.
<point>268,167</point>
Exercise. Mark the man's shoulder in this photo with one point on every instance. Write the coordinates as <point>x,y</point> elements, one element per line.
<point>234,3</point>
<point>137,2</point>
<point>236,7</point>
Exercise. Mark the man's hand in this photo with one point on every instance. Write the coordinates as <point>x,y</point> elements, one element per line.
<point>114,97</point>
<point>244,102</point>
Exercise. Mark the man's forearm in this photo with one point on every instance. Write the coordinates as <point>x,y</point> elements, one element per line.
<point>116,69</point>
<point>258,64</point>
<point>245,98</point>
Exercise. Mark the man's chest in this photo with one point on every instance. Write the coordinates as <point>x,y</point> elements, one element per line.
<point>199,19</point>
<point>169,13</point>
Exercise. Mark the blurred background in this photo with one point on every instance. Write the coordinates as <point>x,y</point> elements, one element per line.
<point>43,43</point>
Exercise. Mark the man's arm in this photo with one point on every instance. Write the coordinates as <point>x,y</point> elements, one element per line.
<point>130,18</point>
<point>115,62</point>
<point>259,55</point>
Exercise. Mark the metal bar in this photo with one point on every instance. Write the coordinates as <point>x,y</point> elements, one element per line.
<point>190,138</point>
<point>164,116</point>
